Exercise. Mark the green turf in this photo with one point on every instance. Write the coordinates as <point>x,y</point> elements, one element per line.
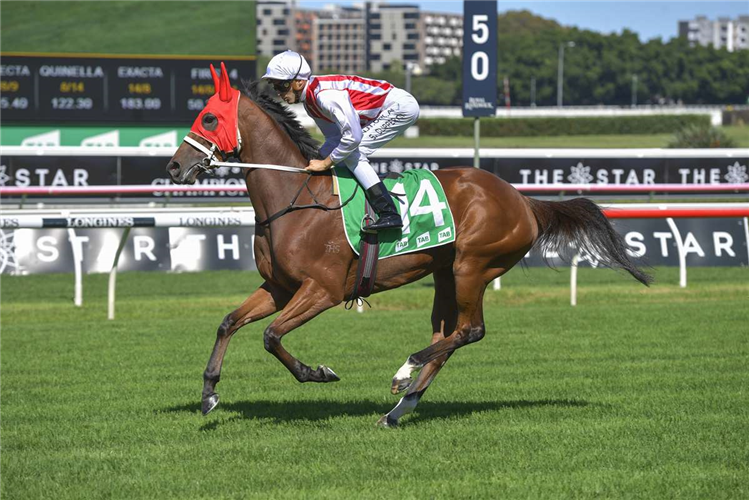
<point>635,393</point>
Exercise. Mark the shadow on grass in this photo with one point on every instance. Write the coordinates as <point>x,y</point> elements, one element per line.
<point>317,410</point>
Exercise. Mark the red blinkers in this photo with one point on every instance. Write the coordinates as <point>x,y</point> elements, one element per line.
<point>223,105</point>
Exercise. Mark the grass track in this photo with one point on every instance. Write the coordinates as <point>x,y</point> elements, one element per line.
<point>635,393</point>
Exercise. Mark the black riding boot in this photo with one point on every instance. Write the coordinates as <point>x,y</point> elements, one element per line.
<point>383,204</point>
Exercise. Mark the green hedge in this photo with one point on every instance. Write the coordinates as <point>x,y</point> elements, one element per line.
<point>531,127</point>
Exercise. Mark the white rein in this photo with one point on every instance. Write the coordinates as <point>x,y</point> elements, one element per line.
<point>212,161</point>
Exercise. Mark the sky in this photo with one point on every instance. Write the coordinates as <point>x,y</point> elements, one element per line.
<point>649,19</point>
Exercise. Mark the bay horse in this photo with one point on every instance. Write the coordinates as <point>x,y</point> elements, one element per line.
<point>308,266</point>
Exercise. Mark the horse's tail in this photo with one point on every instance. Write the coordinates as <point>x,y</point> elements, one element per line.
<point>580,224</point>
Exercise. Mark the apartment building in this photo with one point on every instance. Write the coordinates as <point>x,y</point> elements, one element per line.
<point>304,22</point>
<point>276,27</point>
<point>371,37</point>
<point>441,37</point>
<point>339,40</point>
<point>731,34</point>
<point>393,35</point>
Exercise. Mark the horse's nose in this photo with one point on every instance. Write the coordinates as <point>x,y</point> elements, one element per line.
<point>173,168</point>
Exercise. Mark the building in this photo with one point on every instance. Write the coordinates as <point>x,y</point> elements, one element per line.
<point>731,34</point>
<point>441,37</point>
<point>339,40</point>
<point>304,21</point>
<point>393,35</point>
<point>276,30</point>
<point>372,37</point>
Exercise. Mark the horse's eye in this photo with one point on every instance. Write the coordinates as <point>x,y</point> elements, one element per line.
<point>210,122</point>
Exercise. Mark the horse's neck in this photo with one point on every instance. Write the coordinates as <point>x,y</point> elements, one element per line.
<point>270,190</point>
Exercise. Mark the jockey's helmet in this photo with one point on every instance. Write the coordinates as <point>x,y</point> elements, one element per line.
<point>287,66</point>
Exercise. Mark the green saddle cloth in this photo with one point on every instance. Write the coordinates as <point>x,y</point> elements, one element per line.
<point>427,219</point>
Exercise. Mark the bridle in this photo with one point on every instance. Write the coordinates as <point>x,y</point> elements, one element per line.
<point>211,161</point>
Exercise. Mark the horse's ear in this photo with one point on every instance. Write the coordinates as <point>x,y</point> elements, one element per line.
<point>225,84</point>
<point>215,79</point>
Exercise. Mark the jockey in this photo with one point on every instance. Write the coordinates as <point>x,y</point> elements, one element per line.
<point>356,115</point>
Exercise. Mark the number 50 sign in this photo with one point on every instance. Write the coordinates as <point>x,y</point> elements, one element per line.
<point>479,58</point>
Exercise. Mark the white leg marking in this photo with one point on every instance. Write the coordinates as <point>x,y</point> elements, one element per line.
<point>404,372</point>
<point>403,407</point>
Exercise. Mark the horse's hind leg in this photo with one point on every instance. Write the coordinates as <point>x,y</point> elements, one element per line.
<point>262,303</point>
<point>469,293</point>
<point>444,317</point>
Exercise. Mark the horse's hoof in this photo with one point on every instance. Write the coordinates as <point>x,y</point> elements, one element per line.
<point>386,422</point>
<point>400,385</point>
<point>327,374</point>
<point>209,403</point>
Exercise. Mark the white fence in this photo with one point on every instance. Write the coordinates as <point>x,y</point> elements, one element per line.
<point>129,218</point>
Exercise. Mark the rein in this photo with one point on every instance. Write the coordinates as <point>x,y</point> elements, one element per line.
<point>211,161</point>
<point>292,207</point>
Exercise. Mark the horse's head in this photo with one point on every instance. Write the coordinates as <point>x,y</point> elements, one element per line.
<point>213,135</point>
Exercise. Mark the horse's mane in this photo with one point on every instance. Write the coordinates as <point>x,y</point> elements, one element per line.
<point>259,93</point>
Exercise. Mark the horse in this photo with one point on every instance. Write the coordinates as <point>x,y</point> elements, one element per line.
<point>309,267</point>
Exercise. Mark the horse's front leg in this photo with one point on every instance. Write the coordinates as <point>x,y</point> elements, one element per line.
<point>262,303</point>
<point>310,300</point>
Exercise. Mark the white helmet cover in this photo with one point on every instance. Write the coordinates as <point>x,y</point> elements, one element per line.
<point>288,65</point>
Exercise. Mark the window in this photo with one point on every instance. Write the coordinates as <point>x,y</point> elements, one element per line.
<point>279,41</point>
<point>386,66</point>
<point>410,15</point>
<point>386,46</point>
<point>375,37</point>
<point>283,32</point>
<point>410,26</point>
<point>375,57</point>
<point>266,12</point>
<point>279,22</point>
<point>412,36</point>
<point>409,46</point>
<point>410,57</point>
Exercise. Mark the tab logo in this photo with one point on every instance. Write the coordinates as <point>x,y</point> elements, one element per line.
<point>401,244</point>
<point>445,234</point>
<point>422,240</point>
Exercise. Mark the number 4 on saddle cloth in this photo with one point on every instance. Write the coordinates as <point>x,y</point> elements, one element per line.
<point>427,221</point>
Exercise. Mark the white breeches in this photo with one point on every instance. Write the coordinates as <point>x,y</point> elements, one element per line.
<point>399,112</point>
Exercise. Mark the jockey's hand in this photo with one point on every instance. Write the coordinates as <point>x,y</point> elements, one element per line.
<point>319,165</point>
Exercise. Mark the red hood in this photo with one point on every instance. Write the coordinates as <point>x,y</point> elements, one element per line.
<point>224,105</point>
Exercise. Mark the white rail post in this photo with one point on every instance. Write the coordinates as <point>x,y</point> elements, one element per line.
<point>76,245</point>
<point>682,252</point>
<point>573,279</point>
<point>113,274</point>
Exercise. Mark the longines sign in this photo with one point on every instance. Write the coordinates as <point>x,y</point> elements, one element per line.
<point>702,242</point>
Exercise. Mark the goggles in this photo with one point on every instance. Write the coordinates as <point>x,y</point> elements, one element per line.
<point>283,86</point>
